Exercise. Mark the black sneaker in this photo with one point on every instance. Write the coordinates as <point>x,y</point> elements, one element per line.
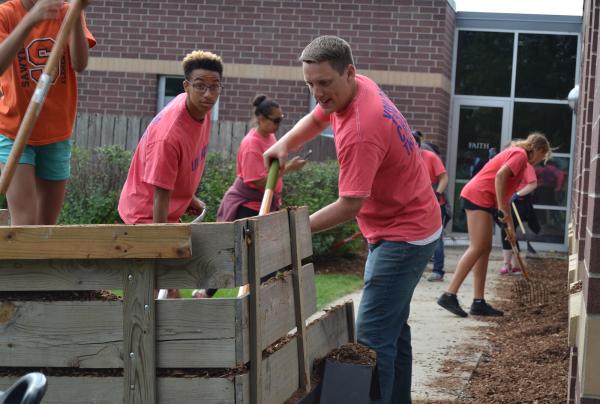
<point>481,308</point>
<point>450,303</point>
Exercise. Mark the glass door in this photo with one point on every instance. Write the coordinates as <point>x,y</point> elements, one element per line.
<point>479,131</point>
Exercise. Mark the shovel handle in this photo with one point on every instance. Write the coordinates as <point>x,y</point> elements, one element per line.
<point>265,206</point>
<point>516,212</point>
<point>39,95</point>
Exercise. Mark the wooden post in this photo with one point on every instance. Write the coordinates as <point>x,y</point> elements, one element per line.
<point>351,323</point>
<point>252,240</point>
<point>303,365</point>
<point>139,333</point>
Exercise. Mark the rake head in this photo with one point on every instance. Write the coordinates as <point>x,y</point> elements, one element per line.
<point>528,292</point>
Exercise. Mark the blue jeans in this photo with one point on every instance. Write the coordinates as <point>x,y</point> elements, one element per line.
<point>392,272</point>
<point>438,254</point>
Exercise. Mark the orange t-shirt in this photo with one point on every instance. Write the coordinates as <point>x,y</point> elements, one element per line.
<point>18,82</point>
<point>435,168</point>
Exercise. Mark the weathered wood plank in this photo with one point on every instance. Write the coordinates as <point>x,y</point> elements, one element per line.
<point>86,334</point>
<point>191,333</point>
<point>139,333</point>
<point>219,260</point>
<point>255,326</point>
<point>238,132</point>
<point>4,217</point>
<point>109,390</point>
<point>120,136</point>
<point>277,308</point>
<point>303,231</point>
<point>133,132</point>
<point>280,370</point>
<point>95,241</point>
<point>274,251</point>
<point>108,130</point>
<point>295,238</point>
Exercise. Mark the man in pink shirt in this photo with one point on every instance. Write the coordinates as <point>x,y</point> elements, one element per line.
<point>169,160</point>
<point>383,183</point>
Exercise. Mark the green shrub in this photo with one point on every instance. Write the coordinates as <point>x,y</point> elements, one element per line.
<point>97,177</point>
<point>218,176</point>
<point>316,186</point>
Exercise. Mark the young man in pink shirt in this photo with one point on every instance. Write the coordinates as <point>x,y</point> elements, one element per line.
<point>383,183</point>
<point>169,160</point>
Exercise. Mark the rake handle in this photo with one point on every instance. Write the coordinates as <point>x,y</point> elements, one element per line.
<point>514,207</point>
<point>513,246</point>
<point>39,96</point>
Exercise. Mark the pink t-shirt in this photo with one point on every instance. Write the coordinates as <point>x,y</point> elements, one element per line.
<point>528,177</point>
<point>481,190</point>
<point>435,168</point>
<point>250,165</point>
<point>380,161</point>
<point>171,155</point>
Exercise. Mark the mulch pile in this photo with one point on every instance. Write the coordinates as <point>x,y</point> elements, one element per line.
<point>529,355</point>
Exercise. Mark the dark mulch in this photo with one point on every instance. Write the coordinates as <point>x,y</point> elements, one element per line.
<point>529,355</point>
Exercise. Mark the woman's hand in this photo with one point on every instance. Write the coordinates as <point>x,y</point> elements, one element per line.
<point>294,164</point>
<point>45,10</point>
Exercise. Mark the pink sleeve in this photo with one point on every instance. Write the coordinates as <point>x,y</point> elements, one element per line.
<point>437,165</point>
<point>319,114</point>
<point>517,162</point>
<point>162,165</point>
<point>253,166</point>
<point>359,163</point>
<point>529,175</point>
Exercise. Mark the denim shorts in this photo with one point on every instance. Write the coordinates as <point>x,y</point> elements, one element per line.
<point>52,161</point>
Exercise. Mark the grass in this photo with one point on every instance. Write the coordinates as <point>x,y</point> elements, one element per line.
<point>330,287</point>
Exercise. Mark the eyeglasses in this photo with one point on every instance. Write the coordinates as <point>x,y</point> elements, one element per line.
<point>201,87</point>
<point>276,120</point>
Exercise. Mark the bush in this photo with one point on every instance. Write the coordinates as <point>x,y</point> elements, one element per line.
<point>97,177</point>
<point>316,186</point>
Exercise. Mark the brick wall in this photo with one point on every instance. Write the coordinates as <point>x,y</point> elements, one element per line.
<point>586,214</point>
<point>404,36</point>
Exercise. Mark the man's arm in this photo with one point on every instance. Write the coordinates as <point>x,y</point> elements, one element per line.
<point>304,130</point>
<point>340,211</point>
<point>42,10</point>
<point>160,211</point>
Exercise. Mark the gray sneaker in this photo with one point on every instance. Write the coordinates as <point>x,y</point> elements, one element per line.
<point>436,277</point>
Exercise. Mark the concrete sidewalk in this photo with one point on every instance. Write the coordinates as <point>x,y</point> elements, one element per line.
<point>439,337</point>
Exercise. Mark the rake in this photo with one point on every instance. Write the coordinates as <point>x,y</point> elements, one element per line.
<point>526,290</point>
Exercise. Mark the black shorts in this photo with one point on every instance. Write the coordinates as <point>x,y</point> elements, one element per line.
<point>466,204</point>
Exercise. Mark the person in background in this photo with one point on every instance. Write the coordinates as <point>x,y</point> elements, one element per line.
<point>169,160</point>
<point>28,31</point>
<point>382,183</point>
<point>439,180</point>
<point>244,197</point>
<point>484,197</point>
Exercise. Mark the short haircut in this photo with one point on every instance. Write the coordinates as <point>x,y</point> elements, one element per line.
<point>328,48</point>
<point>199,59</point>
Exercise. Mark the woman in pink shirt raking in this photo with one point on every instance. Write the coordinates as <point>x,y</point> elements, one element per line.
<point>485,196</point>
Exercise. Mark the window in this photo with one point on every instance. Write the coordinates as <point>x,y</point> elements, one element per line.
<point>484,63</point>
<point>312,103</point>
<point>170,87</point>
<point>553,120</point>
<point>545,66</point>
